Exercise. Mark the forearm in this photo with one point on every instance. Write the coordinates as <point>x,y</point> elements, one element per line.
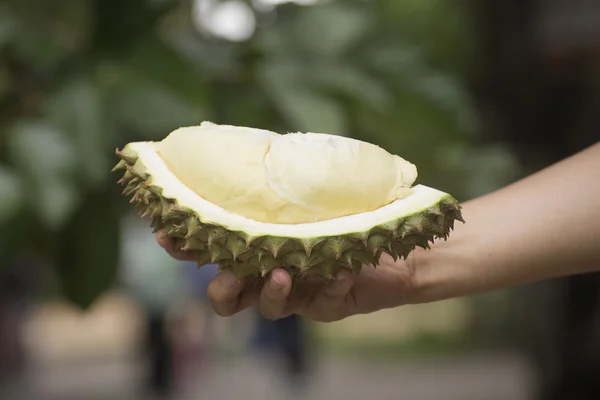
<point>544,226</point>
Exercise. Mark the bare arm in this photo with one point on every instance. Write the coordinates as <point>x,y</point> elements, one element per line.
<point>544,226</point>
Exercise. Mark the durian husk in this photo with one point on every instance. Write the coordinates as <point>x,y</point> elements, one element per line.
<point>256,256</point>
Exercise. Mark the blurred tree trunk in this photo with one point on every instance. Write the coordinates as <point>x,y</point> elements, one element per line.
<point>545,101</point>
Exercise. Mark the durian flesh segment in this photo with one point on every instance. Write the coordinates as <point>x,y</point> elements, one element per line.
<point>292,178</point>
<point>253,248</point>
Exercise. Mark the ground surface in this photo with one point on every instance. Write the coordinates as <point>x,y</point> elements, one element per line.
<point>479,377</point>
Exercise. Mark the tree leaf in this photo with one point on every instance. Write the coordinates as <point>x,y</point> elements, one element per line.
<point>7,25</point>
<point>165,62</point>
<point>311,112</point>
<point>50,31</point>
<point>46,160</point>
<point>331,29</point>
<point>405,69</point>
<point>484,168</point>
<point>77,110</point>
<point>153,109</point>
<point>11,193</point>
<point>304,109</point>
<point>447,94</point>
<point>353,82</point>
<point>89,249</point>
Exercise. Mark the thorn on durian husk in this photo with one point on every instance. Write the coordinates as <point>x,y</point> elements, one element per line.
<point>218,253</point>
<point>138,170</point>
<point>310,243</point>
<point>192,244</point>
<point>203,257</point>
<point>301,260</point>
<point>458,216</point>
<point>127,155</point>
<point>175,229</point>
<point>392,227</point>
<point>335,247</point>
<point>377,241</point>
<point>178,243</point>
<point>193,227</point>
<point>130,176</point>
<point>214,233</point>
<point>127,191</point>
<point>236,246</point>
<point>325,269</point>
<point>122,164</point>
<point>435,210</point>
<point>155,229</point>
<point>267,264</point>
<point>243,270</point>
<point>147,212</point>
<point>168,211</point>
<point>273,244</point>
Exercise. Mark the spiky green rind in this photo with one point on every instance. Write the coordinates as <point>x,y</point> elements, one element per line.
<point>257,256</point>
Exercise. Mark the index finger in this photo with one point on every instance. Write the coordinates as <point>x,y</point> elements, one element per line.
<point>169,245</point>
<point>228,295</point>
<point>273,300</point>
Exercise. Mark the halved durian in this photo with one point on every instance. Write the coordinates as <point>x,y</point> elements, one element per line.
<point>253,200</point>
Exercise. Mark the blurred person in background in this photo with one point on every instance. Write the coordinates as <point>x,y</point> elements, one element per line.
<point>198,351</point>
<point>157,284</point>
<point>18,285</point>
<point>285,338</point>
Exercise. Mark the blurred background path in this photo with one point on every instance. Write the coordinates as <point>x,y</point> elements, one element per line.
<point>94,357</point>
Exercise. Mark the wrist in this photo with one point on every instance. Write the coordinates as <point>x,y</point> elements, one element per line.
<point>445,271</point>
<point>426,281</point>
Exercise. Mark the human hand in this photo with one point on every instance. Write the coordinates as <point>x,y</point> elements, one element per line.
<point>385,286</point>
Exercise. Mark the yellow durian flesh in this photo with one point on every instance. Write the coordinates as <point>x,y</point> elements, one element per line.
<point>286,179</point>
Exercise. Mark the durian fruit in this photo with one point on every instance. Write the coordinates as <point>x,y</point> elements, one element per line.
<point>253,200</point>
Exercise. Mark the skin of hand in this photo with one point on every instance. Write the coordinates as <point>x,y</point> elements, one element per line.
<point>541,227</point>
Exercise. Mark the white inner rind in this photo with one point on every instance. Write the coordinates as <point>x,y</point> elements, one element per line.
<point>422,198</point>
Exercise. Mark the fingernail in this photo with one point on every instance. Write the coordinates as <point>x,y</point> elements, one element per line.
<point>275,284</point>
<point>228,279</point>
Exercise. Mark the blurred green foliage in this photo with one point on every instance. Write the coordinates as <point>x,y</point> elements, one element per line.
<point>79,78</point>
